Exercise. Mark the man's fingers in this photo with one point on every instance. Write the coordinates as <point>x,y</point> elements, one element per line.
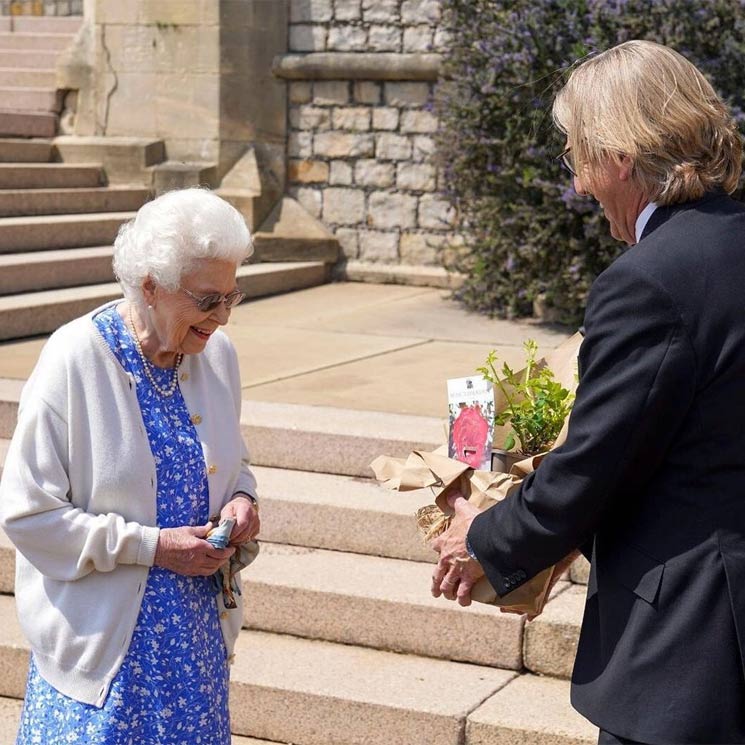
<point>438,576</point>
<point>464,591</point>
<point>454,497</point>
<point>450,583</point>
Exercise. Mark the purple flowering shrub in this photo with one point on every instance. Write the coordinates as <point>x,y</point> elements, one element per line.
<point>529,233</point>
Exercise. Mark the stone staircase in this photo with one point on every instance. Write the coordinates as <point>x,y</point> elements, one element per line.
<point>58,221</point>
<point>342,643</point>
<point>30,103</point>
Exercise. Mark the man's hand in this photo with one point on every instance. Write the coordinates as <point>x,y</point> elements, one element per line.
<point>185,551</point>
<point>456,572</point>
<point>246,515</point>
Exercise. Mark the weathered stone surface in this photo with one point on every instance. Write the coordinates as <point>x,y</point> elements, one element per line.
<point>355,118</point>
<point>368,92</point>
<point>308,171</point>
<point>348,10</point>
<point>580,571</point>
<point>358,65</point>
<point>418,122</point>
<point>393,147</point>
<point>424,148</point>
<point>415,176</point>
<point>421,248</point>
<point>310,199</point>
<point>385,118</point>
<point>386,11</point>
<point>347,39</point>
<point>388,210</point>
<point>418,39</point>
<point>373,173</point>
<point>307,38</point>
<point>403,274</point>
<point>443,38</point>
<point>343,206</point>
<point>341,173</point>
<point>385,38</point>
<point>328,93</point>
<point>530,711</point>
<point>300,144</point>
<point>313,11</point>
<point>435,213</point>
<point>343,145</point>
<point>310,117</point>
<point>550,643</point>
<point>421,11</point>
<point>378,246</point>
<point>348,241</point>
<point>406,94</point>
<point>299,92</point>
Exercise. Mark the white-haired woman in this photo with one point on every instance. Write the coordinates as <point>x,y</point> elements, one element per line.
<point>128,441</point>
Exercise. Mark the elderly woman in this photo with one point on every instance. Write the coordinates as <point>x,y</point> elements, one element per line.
<point>128,441</point>
<point>651,480</point>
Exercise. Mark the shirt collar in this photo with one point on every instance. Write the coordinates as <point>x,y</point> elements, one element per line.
<point>643,219</point>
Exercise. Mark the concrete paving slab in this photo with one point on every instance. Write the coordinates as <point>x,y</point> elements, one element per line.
<point>531,710</point>
<point>343,695</point>
<point>10,395</point>
<point>407,381</point>
<point>340,512</point>
<point>10,715</point>
<point>269,354</point>
<point>550,643</point>
<point>307,308</point>
<point>17,358</point>
<point>7,565</point>
<point>373,602</point>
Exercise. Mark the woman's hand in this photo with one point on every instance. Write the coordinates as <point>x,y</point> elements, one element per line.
<point>185,551</point>
<point>246,515</point>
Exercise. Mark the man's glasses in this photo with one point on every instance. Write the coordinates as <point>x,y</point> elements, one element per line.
<point>565,159</point>
<point>209,302</point>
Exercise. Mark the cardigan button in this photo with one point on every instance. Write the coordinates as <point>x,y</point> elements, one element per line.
<point>184,376</point>
<point>211,470</point>
<point>196,419</point>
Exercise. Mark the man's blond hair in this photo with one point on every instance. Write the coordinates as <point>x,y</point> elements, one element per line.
<point>646,101</point>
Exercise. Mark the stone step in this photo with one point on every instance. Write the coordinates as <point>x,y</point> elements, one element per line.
<point>34,78</point>
<point>375,602</point>
<point>326,439</point>
<point>26,59</point>
<point>41,41</point>
<point>31,99</point>
<point>28,202</point>
<point>341,694</point>
<point>49,175</point>
<point>41,232</point>
<point>46,24</point>
<point>550,643</point>
<point>34,313</point>
<point>44,270</point>
<point>27,123</point>
<point>343,513</point>
<point>25,151</point>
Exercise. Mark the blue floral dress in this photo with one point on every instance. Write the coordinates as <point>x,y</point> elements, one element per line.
<point>172,688</point>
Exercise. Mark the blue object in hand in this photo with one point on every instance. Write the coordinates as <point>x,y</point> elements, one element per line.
<point>219,537</point>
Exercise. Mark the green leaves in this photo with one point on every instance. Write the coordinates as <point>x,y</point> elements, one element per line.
<point>537,405</point>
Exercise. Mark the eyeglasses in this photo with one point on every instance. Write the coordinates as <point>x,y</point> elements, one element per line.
<point>209,302</point>
<point>566,161</point>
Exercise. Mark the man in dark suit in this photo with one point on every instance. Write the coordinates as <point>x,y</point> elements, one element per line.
<point>651,481</point>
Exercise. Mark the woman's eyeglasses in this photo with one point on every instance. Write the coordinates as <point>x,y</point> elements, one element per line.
<point>209,302</point>
<point>565,159</point>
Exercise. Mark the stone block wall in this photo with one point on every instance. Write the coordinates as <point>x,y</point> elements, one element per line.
<point>361,151</point>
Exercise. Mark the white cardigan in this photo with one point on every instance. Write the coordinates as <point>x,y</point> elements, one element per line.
<point>78,499</point>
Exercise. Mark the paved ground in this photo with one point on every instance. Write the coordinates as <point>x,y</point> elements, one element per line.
<point>355,346</point>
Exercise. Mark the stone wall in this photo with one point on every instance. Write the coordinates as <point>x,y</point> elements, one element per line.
<point>360,151</point>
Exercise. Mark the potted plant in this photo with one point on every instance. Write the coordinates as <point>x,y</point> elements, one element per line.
<point>536,406</point>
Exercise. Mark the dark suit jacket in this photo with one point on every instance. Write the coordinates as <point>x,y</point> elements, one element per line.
<point>653,477</point>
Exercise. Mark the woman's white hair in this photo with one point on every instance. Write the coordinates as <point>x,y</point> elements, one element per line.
<point>171,233</point>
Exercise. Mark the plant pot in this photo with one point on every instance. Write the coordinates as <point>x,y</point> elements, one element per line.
<point>503,460</point>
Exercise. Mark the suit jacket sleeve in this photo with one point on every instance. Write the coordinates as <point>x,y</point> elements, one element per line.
<point>638,379</point>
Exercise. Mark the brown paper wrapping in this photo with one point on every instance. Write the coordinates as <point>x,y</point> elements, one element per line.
<point>483,489</point>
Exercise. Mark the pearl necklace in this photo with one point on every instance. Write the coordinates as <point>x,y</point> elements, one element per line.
<point>171,388</point>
